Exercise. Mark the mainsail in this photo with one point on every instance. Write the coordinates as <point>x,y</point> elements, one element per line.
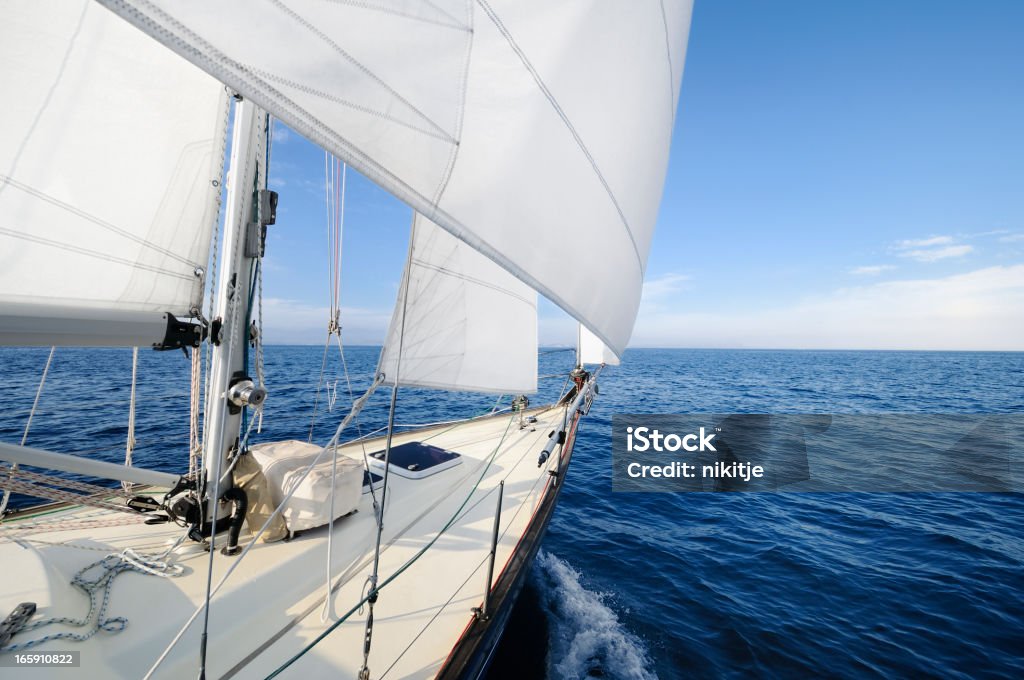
<point>461,321</point>
<point>111,156</point>
<point>526,128</point>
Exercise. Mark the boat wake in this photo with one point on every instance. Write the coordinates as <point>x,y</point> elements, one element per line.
<point>585,637</point>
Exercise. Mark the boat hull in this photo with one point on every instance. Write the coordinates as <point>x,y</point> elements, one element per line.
<point>472,656</point>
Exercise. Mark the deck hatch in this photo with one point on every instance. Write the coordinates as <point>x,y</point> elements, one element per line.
<point>416,460</point>
<point>372,478</point>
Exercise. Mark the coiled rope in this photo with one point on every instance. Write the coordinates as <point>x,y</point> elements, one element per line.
<point>96,581</point>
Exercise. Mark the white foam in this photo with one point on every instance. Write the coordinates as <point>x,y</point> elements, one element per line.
<point>586,638</point>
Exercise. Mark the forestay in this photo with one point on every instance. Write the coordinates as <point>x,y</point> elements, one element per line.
<point>535,131</point>
<point>468,323</point>
<point>111,154</point>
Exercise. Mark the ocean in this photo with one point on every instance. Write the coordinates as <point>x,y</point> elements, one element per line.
<point>663,585</point>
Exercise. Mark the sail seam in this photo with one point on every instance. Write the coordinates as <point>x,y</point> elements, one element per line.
<point>453,23</point>
<point>94,253</point>
<point>171,32</point>
<point>78,212</point>
<point>266,75</point>
<point>671,71</point>
<point>496,20</point>
<point>471,279</point>
<point>49,94</point>
<point>460,112</point>
<point>441,10</point>
<point>295,16</point>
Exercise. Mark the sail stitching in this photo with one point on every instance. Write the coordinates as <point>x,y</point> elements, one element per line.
<point>95,253</point>
<point>56,202</point>
<point>193,47</point>
<point>266,75</point>
<point>440,9</point>
<point>472,279</point>
<point>460,113</point>
<point>171,32</point>
<point>452,23</point>
<point>355,62</point>
<point>196,49</point>
<point>496,20</point>
<point>671,71</point>
<point>49,94</point>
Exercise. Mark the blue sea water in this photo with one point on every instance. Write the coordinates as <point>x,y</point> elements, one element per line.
<point>667,585</point>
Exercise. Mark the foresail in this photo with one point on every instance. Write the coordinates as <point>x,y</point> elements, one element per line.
<point>593,351</point>
<point>461,322</point>
<point>535,131</point>
<point>111,156</point>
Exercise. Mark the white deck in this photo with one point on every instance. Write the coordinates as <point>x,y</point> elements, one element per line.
<point>271,605</point>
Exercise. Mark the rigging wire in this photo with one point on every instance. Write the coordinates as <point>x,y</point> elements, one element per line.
<point>353,413</point>
<point>364,672</point>
<point>129,444</point>
<point>28,426</point>
<point>328,609</point>
<point>335,196</point>
<point>405,566</point>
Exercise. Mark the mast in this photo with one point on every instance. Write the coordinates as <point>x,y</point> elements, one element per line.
<point>230,389</point>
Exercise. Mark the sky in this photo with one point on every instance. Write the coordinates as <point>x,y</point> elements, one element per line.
<point>843,175</point>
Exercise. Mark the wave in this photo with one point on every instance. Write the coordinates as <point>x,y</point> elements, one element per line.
<point>585,637</point>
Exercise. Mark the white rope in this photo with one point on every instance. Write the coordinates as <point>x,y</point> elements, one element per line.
<point>129,445</point>
<point>328,185</point>
<point>339,232</point>
<point>373,579</point>
<point>328,610</point>
<point>10,529</point>
<point>195,444</point>
<point>28,426</point>
<point>110,567</point>
<point>259,340</point>
<point>335,232</point>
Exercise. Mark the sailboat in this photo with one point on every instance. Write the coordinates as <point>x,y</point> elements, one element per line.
<point>531,141</point>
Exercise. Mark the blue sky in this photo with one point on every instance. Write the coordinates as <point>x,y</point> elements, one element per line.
<point>843,175</point>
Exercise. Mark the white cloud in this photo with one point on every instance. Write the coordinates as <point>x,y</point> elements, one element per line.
<point>935,254</point>
<point>984,234</point>
<point>659,292</point>
<point>664,285</point>
<point>1012,238</point>
<point>978,310</point>
<point>924,242</point>
<point>281,133</point>
<point>931,249</point>
<point>871,269</point>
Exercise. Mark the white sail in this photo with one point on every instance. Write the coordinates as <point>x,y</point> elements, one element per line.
<point>593,351</point>
<point>461,322</point>
<point>535,131</point>
<point>111,155</point>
